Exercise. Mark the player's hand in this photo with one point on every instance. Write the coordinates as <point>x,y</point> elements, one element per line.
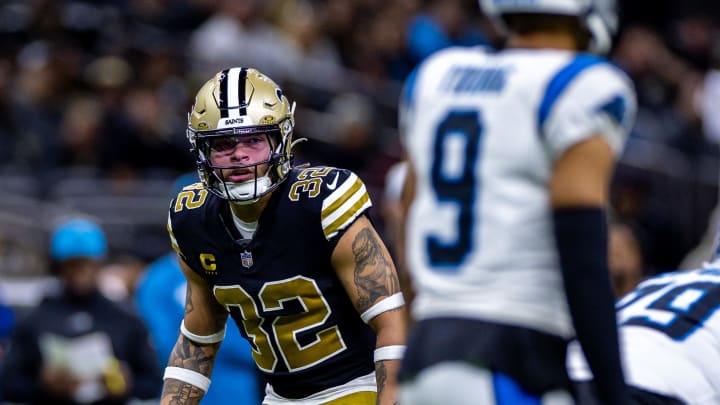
<point>116,378</point>
<point>58,381</point>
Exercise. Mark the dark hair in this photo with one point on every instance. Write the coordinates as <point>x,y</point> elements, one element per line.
<point>528,23</point>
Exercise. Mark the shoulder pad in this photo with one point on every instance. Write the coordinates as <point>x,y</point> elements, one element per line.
<point>189,199</point>
<point>589,96</point>
<point>340,195</point>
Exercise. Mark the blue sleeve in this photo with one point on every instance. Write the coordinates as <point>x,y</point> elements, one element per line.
<point>158,304</point>
<point>7,319</point>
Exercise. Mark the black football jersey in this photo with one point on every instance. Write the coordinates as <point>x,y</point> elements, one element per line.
<point>280,287</point>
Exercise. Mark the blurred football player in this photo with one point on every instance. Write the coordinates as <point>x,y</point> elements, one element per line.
<point>77,346</point>
<point>670,340</point>
<point>510,155</point>
<point>289,253</point>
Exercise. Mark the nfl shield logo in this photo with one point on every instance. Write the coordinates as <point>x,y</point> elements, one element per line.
<point>246,259</point>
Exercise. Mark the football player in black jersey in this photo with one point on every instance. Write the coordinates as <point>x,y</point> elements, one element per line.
<point>289,253</point>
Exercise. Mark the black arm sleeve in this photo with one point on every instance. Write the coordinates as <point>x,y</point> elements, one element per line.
<point>581,236</point>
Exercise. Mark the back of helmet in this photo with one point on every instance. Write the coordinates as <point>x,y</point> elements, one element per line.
<point>597,17</point>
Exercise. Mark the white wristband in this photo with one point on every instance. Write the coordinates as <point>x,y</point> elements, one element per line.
<point>205,340</point>
<point>389,353</point>
<point>386,304</point>
<point>188,376</point>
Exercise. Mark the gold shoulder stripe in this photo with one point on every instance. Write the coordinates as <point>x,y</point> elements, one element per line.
<point>347,217</point>
<point>339,197</point>
<point>344,205</point>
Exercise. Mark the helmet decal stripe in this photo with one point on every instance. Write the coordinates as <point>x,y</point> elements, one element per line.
<point>242,97</point>
<point>222,96</point>
<point>235,80</point>
<point>235,86</point>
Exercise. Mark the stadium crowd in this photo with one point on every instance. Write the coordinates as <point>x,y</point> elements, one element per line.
<point>100,89</point>
<point>93,97</point>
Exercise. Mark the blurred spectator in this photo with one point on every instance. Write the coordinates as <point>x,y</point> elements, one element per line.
<point>339,21</point>
<point>625,260</point>
<point>237,34</point>
<point>709,93</point>
<point>152,139</point>
<point>445,23</point>
<point>656,73</point>
<point>7,319</point>
<point>308,50</point>
<point>80,133</point>
<point>352,140</point>
<point>37,97</point>
<point>390,46</point>
<point>76,346</point>
<point>667,154</point>
<point>160,298</point>
<point>354,131</point>
<point>119,278</point>
<point>8,127</point>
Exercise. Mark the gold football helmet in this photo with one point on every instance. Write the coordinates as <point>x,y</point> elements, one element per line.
<point>239,102</point>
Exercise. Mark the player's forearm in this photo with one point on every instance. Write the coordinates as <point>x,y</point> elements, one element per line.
<point>176,392</point>
<point>390,348</point>
<point>386,376</point>
<point>187,376</point>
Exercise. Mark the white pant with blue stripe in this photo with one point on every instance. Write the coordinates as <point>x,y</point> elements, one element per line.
<point>459,383</point>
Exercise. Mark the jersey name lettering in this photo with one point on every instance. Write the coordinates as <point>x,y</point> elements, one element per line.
<point>475,80</point>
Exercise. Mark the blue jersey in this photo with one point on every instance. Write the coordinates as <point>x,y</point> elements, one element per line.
<point>280,286</point>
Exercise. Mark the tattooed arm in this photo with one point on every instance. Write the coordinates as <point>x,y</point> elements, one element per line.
<point>203,316</point>
<point>365,268</point>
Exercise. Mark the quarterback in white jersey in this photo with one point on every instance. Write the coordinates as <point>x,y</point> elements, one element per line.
<point>484,248</point>
<point>485,132</point>
<point>670,338</point>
